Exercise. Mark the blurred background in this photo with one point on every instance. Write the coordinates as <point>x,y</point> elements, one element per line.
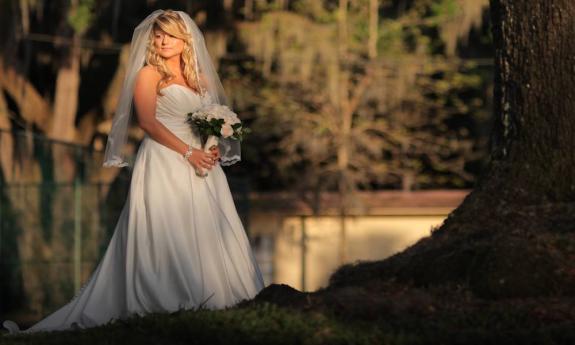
<point>370,122</point>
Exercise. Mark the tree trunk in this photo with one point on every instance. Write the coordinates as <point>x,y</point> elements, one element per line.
<point>25,16</point>
<point>34,109</point>
<point>249,9</point>
<point>345,129</point>
<point>229,6</point>
<point>6,141</point>
<point>282,4</point>
<point>373,31</point>
<point>66,98</point>
<point>535,135</point>
<point>512,235</point>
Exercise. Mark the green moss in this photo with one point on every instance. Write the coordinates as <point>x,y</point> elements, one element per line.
<point>260,324</point>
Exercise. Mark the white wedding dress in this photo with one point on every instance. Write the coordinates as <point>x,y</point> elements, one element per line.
<point>179,242</point>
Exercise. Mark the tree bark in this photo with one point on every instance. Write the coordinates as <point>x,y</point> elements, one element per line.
<point>511,237</point>
<point>34,109</point>
<point>532,160</point>
<point>535,135</point>
<point>373,31</point>
<point>345,128</point>
<point>229,6</point>
<point>249,9</point>
<point>66,98</point>
<point>6,140</point>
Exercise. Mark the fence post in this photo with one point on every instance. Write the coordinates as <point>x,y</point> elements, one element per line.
<point>4,269</point>
<point>303,252</point>
<point>2,191</point>
<point>77,223</point>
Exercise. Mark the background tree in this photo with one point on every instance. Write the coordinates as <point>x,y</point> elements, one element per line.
<point>513,235</point>
<point>63,123</point>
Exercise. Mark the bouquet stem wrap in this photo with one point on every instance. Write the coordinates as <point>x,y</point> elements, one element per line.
<point>211,141</point>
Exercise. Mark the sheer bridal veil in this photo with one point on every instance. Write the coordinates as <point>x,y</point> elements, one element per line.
<point>212,90</point>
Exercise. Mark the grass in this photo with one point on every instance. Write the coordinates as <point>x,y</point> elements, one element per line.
<point>260,324</point>
<point>401,324</point>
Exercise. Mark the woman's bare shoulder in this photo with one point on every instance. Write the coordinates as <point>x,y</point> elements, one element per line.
<point>148,74</point>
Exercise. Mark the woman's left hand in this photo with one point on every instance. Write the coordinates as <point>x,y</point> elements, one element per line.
<point>216,152</point>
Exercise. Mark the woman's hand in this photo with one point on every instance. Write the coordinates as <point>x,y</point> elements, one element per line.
<point>201,159</point>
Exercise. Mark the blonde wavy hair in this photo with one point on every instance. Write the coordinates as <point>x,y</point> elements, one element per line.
<point>171,23</point>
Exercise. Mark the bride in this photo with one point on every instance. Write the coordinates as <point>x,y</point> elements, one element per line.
<point>179,242</point>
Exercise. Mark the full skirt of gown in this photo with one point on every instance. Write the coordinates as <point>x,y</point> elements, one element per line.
<point>179,242</point>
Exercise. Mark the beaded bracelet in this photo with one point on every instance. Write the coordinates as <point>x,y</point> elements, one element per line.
<point>188,153</point>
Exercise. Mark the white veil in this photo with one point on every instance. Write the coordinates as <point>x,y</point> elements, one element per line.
<point>230,150</point>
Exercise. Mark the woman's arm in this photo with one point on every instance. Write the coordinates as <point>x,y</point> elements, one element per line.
<point>145,103</point>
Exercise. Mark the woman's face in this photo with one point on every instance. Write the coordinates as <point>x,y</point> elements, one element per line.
<point>167,45</point>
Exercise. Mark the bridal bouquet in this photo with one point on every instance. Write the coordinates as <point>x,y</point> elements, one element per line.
<point>214,121</point>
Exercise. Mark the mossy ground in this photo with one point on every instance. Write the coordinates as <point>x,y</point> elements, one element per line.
<point>263,323</point>
<point>349,315</point>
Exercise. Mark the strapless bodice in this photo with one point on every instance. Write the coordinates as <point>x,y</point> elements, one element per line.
<point>172,108</point>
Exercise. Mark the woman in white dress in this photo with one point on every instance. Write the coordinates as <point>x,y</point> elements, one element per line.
<point>179,242</point>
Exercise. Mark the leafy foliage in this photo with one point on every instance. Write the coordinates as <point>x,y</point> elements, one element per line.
<point>422,121</point>
<point>82,16</point>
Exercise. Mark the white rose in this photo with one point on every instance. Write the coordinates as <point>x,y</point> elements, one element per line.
<point>226,131</point>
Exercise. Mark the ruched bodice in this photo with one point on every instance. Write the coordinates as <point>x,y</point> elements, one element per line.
<point>172,108</point>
